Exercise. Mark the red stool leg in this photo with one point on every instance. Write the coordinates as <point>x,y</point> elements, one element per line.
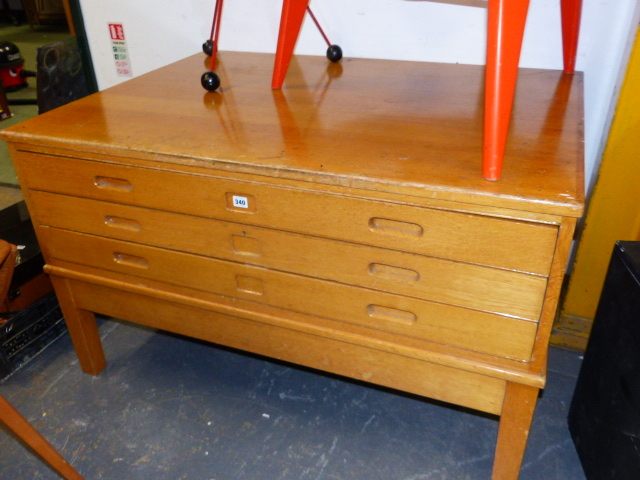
<point>290,23</point>
<point>215,32</point>
<point>571,10</point>
<point>507,19</point>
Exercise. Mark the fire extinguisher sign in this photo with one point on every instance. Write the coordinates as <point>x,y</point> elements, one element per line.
<point>119,48</point>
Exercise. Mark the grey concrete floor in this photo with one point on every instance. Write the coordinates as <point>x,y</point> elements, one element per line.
<point>167,407</point>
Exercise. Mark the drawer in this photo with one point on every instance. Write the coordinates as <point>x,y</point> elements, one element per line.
<point>498,242</point>
<point>404,316</point>
<point>482,288</point>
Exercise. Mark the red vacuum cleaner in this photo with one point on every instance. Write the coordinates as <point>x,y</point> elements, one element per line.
<point>12,72</point>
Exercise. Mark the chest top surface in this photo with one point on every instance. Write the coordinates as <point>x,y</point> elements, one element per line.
<point>402,127</point>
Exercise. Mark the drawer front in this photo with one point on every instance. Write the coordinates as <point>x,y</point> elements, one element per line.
<point>482,288</point>
<point>504,243</point>
<point>401,315</point>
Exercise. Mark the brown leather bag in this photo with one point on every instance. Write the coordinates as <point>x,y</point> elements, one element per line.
<point>8,254</point>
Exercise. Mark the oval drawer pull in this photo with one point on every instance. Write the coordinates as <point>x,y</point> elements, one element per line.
<point>130,260</point>
<point>122,223</point>
<point>397,274</point>
<point>391,314</point>
<point>395,227</point>
<point>110,183</point>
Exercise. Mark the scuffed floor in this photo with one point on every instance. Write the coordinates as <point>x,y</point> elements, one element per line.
<point>171,408</point>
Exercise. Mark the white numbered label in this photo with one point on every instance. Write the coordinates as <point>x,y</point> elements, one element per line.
<point>240,202</point>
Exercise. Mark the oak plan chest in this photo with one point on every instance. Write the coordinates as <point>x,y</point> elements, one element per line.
<point>341,223</point>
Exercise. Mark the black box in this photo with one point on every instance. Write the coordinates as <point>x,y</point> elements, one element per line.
<point>604,419</point>
<point>28,332</point>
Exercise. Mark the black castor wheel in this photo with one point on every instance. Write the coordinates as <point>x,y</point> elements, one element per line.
<point>207,47</point>
<point>210,81</point>
<point>334,53</point>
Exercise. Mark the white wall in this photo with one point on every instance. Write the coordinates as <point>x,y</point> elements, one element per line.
<point>159,32</point>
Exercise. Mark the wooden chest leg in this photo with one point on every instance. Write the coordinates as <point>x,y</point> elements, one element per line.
<point>515,422</point>
<point>83,329</point>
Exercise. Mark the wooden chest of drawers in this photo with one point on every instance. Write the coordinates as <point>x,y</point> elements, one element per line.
<point>341,225</point>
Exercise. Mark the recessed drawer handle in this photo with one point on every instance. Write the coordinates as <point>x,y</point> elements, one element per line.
<point>252,285</point>
<point>389,272</point>
<point>244,245</point>
<point>122,223</point>
<point>391,314</point>
<point>110,183</point>
<point>395,227</point>
<point>130,260</point>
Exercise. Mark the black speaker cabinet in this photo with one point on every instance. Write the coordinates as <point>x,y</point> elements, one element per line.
<point>604,419</point>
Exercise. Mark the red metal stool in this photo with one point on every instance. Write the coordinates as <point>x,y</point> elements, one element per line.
<point>506,24</point>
